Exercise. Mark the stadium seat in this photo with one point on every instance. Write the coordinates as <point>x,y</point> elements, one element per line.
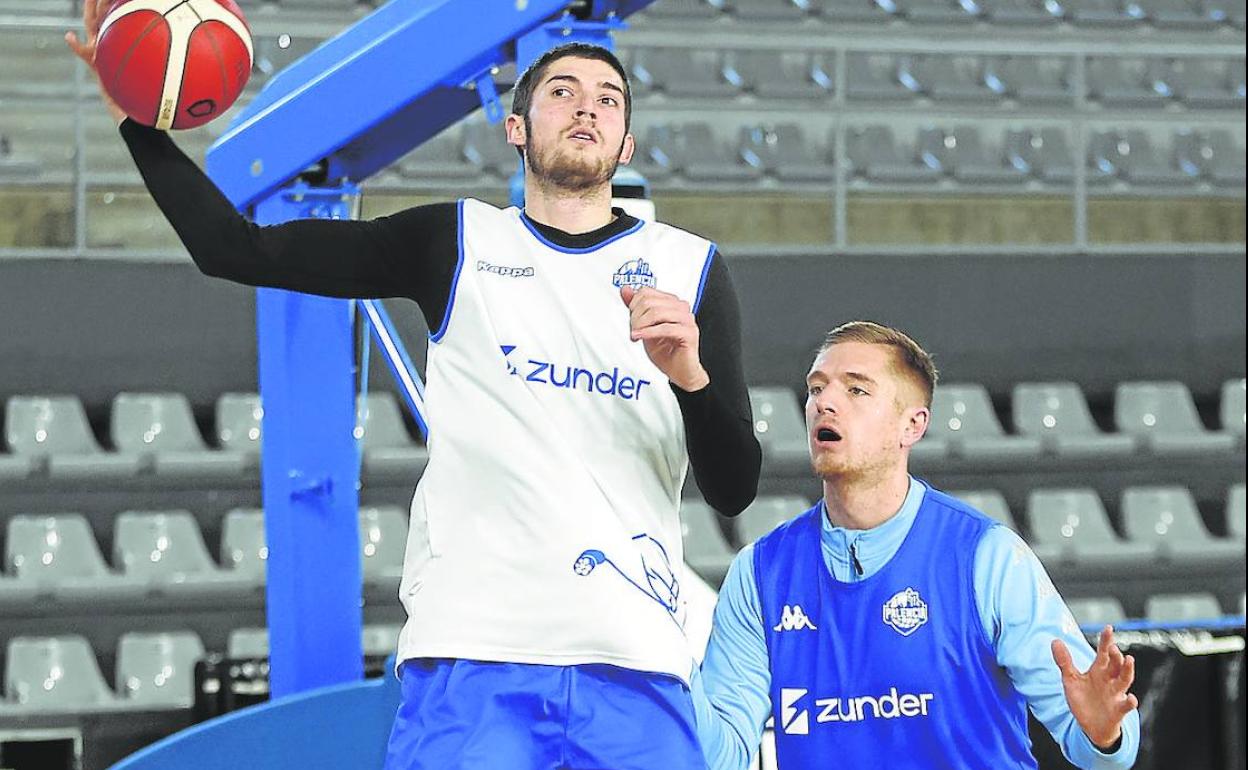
<point>387,448</point>
<point>159,427</point>
<point>772,74</point>
<point>683,72</point>
<point>1057,414</point>
<point>706,551</point>
<point>55,430</point>
<point>440,158</point>
<point>1070,527</point>
<point>947,78</point>
<point>247,643</point>
<point>1232,411</point>
<point>1096,611</point>
<point>685,10</point>
<point>785,151</point>
<point>244,545</point>
<point>875,77</point>
<point>157,670</point>
<point>1210,156</point>
<point>1029,79</point>
<point>855,11</point>
<point>658,153</point>
<point>991,503</point>
<point>487,151</point>
<point>1130,157</point>
<point>971,161</point>
<point>1045,153</point>
<point>58,554</point>
<point>166,550</point>
<point>1097,13</point>
<point>1227,159</point>
<point>1177,14</point>
<point>383,540</point>
<point>940,11</point>
<point>1167,516</point>
<point>1235,516</point>
<point>765,514</point>
<point>55,675</point>
<point>381,640</point>
<point>1227,11</point>
<point>874,155</point>
<point>1124,83</point>
<point>707,160</point>
<point>1163,416</point>
<point>1207,83</point>
<point>1179,608</point>
<point>780,427</point>
<point>240,425</point>
<point>784,11</point>
<point>962,415</point>
<point>1023,12</point>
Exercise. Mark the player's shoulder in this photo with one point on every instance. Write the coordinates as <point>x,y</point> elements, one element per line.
<point>797,526</point>
<point>672,234</point>
<point>960,510</point>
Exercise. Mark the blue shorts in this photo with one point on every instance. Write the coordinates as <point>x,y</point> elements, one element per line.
<point>469,715</point>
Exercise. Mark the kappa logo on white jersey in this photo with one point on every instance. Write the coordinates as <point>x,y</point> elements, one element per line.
<point>794,619</point>
<point>905,612</point>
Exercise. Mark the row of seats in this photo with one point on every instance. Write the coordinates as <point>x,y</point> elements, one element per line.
<point>156,433</point>
<point>1099,14</point>
<point>164,553</point>
<point>1066,528</point>
<point>1197,83</point>
<point>1051,419</point>
<point>154,671</point>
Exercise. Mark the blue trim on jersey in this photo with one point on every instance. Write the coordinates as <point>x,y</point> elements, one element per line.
<point>459,264</point>
<point>706,270</point>
<point>550,244</point>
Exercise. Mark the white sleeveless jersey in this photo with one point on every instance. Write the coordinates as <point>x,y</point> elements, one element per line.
<point>545,528</point>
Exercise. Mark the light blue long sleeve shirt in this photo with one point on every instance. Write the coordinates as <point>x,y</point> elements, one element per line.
<point>1018,605</point>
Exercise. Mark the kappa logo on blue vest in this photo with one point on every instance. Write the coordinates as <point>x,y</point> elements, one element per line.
<point>572,377</point>
<point>905,612</point>
<point>635,273</point>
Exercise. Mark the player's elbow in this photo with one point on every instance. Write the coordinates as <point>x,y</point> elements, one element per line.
<point>732,498</point>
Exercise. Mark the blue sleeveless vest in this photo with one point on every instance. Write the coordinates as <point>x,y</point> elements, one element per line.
<point>894,671</point>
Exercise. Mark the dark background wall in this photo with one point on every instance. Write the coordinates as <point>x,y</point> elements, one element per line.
<point>95,328</point>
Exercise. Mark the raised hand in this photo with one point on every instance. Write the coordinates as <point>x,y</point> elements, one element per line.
<point>1098,698</point>
<point>93,12</point>
<point>664,323</point>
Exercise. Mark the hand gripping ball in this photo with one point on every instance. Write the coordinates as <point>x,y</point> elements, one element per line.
<point>174,63</point>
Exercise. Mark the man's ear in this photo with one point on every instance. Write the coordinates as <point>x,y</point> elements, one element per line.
<point>514,128</point>
<point>917,419</point>
<point>626,152</point>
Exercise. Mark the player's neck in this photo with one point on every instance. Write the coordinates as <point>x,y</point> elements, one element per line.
<point>865,503</point>
<point>571,212</point>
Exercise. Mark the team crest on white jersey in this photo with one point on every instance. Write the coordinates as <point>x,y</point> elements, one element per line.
<point>792,618</point>
<point>635,273</point>
<point>905,612</point>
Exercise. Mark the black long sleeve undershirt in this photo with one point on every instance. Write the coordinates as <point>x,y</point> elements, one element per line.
<point>412,254</point>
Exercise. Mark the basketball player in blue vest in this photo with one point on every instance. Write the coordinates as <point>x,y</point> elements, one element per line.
<point>581,362</point>
<point>893,626</point>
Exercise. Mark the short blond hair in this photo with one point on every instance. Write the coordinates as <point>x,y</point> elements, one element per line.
<point>910,360</point>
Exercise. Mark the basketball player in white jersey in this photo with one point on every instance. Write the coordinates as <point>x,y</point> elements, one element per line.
<point>580,362</point>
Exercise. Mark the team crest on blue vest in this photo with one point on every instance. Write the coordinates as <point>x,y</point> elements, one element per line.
<point>905,612</point>
<point>635,273</point>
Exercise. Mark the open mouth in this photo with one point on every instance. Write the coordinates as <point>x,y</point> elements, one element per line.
<point>827,434</point>
<point>584,136</point>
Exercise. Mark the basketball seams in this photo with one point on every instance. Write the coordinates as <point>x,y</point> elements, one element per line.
<point>181,25</point>
<point>161,7</point>
<point>125,58</point>
<point>214,11</point>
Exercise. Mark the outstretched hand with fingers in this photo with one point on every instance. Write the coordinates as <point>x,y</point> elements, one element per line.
<point>93,12</point>
<point>1098,698</point>
<point>665,324</point>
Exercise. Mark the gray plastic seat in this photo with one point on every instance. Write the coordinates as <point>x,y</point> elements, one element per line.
<point>790,11</point>
<point>875,77</point>
<point>1164,417</point>
<point>706,551</point>
<point>991,503</point>
<point>1207,83</point>
<point>1130,156</point>
<point>166,550</point>
<point>874,154</point>
<point>388,449</point>
<point>58,554</point>
<point>1227,159</point>
<point>1232,410</point>
<point>1058,414</point>
<point>1025,12</point>
<point>1124,83</point>
<point>1179,608</point>
<point>1227,12</point>
<point>1210,156</point>
<point>1167,516</point>
<point>487,151</point>
<point>54,430</point>
<point>245,643</point>
<point>658,153</point>
<point>159,426</point>
<point>1069,527</point>
<point>1098,13</point>
<point>55,675</point>
<point>941,11</point>
<point>383,540</point>
<point>244,545</point>
<point>838,11</point>
<point>962,415</point>
<point>1096,611</point>
<point>765,514</point>
<point>380,640</point>
<point>1178,14</point>
<point>439,158</point>
<point>780,427</point>
<point>1048,155</point>
<point>683,72</point>
<point>706,159</point>
<point>1235,515</point>
<point>685,10</point>
<point>785,151</point>
<point>1030,79</point>
<point>240,426</point>
<point>785,74</point>
<point>157,671</point>
<point>947,78</point>
<point>972,161</point>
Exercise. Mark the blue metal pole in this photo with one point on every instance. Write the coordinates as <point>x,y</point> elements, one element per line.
<point>310,469</point>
